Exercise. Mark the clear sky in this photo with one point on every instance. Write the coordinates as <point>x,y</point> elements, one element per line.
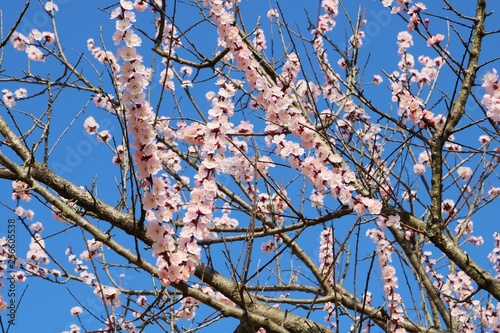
<point>45,306</point>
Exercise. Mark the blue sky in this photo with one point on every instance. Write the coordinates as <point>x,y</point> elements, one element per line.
<point>81,159</point>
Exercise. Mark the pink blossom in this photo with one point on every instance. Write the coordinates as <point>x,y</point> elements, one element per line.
<point>36,227</point>
<point>8,98</point>
<point>90,125</point>
<point>49,37</point>
<point>19,211</point>
<point>388,272</point>
<point>141,300</point>
<point>18,276</point>
<point>76,310</point>
<point>464,172</point>
<point>405,40</point>
<point>28,213</point>
<point>51,6</point>
<point>393,221</point>
<point>19,41</point>
<point>103,136</point>
<point>34,53</point>
<point>35,35</point>
<point>127,53</point>
<point>21,93</point>
<point>374,206</point>
<point>187,70</point>
<point>424,157</point>
<point>342,63</point>
<point>272,13</point>
<point>494,192</point>
<point>267,247</point>
<point>140,5</point>
<point>126,4</point>
<point>377,79</point>
<point>419,169</point>
<point>110,295</point>
<point>434,40</point>
<point>490,81</point>
<point>484,139</point>
<point>131,39</point>
<point>448,207</point>
<point>260,40</point>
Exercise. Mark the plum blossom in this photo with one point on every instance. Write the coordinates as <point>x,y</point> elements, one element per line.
<point>390,221</point>
<point>36,227</point>
<point>424,157</point>
<point>329,307</point>
<point>90,125</point>
<point>103,136</point>
<point>34,53</point>
<point>131,39</point>
<point>419,169</point>
<point>434,40</point>
<point>19,41</point>
<point>21,191</point>
<point>326,254</point>
<point>76,310</point>
<point>8,98</point>
<point>494,192</point>
<point>342,63</point>
<point>110,295</point>
<point>464,172</point>
<point>490,99</point>
<point>140,5</point>
<point>21,93</point>
<point>49,37</point>
<point>448,207</point>
<point>384,251</point>
<point>272,13</point>
<point>484,139</point>
<point>267,247</point>
<point>260,40</point>
<point>51,6</point>
<point>126,4</point>
<point>188,308</point>
<point>187,70</point>
<point>405,40</point>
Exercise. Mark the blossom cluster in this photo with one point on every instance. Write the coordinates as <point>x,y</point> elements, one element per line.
<point>494,256</point>
<point>10,98</point>
<point>189,304</point>
<point>161,199</point>
<point>28,44</point>
<point>91,127</point>
<point>326,255</point>
<point>36,254</point>
<point>225,221</point>
<point>384,252</point>
<point>491,99</point>
<point>455,291</point>
<point>465,228</point>
<point>83,270</point>
<point>330,309</point>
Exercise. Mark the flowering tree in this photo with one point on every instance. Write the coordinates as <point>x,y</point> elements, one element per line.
<point>264,164</point>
